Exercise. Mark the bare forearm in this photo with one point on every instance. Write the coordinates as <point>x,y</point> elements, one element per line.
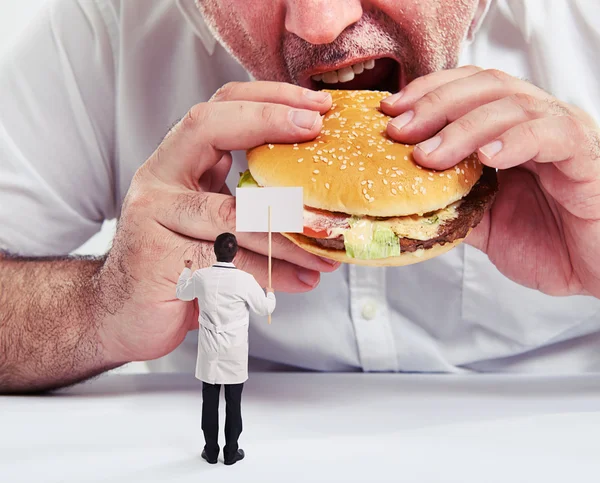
<point>50,319</point>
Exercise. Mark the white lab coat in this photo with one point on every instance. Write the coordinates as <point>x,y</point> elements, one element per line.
<point>90,91</point>
<point>225,296</point>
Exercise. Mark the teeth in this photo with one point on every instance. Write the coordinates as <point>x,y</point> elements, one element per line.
<point>345,74</point>
<point>330,77</point>
<point>358,68</point>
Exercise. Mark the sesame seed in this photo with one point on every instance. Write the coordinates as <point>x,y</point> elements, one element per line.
<point>313,179</point>
<point>366,195</point>
<point>389,156</point>
<point>271,146</point>
<point>343,166</point>
<point>445,188</point>
<point>296,148</point>
<point>405,158</point>
<point>394,191</point>
<point>363,182</point>
<point>300,160</point>
<point>329,163</point>
<point>327,185</point>
<point>385,181</point>
<point>316,171</point>
<point>361,168</point>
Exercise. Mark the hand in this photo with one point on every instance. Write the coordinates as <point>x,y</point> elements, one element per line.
<point>188,264</point>
<point>543,230</point>
<point>178,204</point>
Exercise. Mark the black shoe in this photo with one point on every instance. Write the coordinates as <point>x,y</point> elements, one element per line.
<point>212,462</point>
<point>237,457</point>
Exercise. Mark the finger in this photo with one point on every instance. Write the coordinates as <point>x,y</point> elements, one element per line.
<point>562,140</point>
<point>275,92</point>
<point>397,103</point>
<point>214,179</point>
<point>447,103</point>
<point>198,142</point>
<point>286,277</point>
<point>468,133</point>
<point>204,216</point>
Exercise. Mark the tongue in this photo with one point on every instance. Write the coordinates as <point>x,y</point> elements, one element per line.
<point>380,77</point>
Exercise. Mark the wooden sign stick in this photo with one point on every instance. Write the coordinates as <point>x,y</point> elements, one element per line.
<point>270,254</point>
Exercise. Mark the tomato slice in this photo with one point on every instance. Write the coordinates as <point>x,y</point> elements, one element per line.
<point>315,233</point>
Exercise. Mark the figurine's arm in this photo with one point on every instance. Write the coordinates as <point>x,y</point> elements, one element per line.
<point>185,285</point>
<point>257,300</point>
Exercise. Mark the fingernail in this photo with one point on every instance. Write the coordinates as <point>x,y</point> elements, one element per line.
<point>305,119</point>
<point>390,101</point>
<point>317,96</point>
<point>490,150</point>
<point>430,145</point>
<point>308,277</point>
<point>402,120</point>
<point>328,260</point>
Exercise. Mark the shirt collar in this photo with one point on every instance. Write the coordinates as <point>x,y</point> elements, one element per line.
<point>223,264</point>
<point>191,13</point>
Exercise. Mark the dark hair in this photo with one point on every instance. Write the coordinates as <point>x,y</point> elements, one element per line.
<point>226,247</point>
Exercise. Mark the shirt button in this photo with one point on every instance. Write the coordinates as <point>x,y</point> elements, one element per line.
<point>369,310</point>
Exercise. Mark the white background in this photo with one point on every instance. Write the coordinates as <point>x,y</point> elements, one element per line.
<point>15,16</point>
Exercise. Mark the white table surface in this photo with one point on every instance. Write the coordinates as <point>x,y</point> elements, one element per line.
<point>312,427</point>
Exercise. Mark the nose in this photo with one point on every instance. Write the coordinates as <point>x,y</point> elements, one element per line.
<point>321,21</point>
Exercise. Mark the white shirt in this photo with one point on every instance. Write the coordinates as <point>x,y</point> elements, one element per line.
<point>93,87</point>
<point>225,297</point>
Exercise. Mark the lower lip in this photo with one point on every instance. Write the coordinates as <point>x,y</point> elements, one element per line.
<point>385,76</point>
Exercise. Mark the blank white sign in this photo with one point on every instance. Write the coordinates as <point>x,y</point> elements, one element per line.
<point>252,210</point>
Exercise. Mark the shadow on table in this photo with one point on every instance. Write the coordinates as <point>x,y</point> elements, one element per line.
<point>320,387</point>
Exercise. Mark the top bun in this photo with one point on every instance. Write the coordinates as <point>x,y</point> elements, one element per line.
<point>354,167</point>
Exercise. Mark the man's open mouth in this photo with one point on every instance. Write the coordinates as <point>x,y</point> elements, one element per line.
<point>382,74</point>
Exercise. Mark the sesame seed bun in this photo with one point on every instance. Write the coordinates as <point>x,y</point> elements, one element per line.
<point>353,167</point>
<point>405,258</point>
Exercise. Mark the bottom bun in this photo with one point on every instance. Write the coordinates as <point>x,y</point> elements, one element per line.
<point>405,258</point>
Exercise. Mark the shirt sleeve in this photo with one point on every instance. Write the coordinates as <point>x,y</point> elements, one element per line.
<point>186,285</point>
<point>57,130</point>
<point>258,302</point>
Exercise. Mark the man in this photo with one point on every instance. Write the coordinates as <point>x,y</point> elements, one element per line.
<point>225,296</point>
<point>89,92</point>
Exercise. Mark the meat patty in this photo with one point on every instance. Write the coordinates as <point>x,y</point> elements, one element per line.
<point>470,213</point>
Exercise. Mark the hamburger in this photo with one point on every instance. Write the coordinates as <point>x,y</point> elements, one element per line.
<point>366,201</point>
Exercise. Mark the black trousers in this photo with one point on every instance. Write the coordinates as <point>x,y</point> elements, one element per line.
<point>210,418</point>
